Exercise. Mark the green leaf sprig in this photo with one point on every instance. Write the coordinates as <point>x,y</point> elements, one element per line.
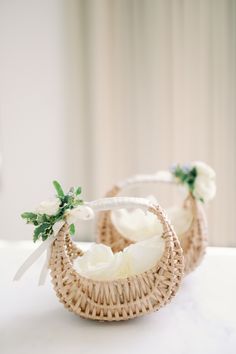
<point>44,223</point>
<point>186,175</point>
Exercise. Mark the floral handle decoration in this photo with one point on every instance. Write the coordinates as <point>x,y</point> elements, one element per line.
<point>65,207</point>
<point>199,179</point>
<point>48,219</point>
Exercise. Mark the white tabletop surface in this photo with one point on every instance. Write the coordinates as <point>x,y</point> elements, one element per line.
<point>201,319</point>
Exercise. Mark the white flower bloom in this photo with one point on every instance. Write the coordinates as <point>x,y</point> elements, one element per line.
<point>144,255</point>
<point>99,262</point>
<point>48,207</point>
<point>205,186</point>
<point>203,169</point>
<point>80,212</point>
<point>135,224</point>
<point>138,225</point>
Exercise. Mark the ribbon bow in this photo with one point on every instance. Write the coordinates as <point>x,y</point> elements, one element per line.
<point>82,212</point>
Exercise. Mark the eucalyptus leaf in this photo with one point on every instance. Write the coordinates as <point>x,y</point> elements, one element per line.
<point>29,216</point>
<point>59,189</point>
<point>72,229</point>
<point>78,191</point>
<point>41,229</point>
<point>186,175</point>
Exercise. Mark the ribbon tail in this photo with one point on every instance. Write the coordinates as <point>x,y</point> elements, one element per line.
<point>44,270</point>
<point>46,245</point>
<point>32,258</point>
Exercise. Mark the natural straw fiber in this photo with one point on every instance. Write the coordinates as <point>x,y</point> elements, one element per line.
<point>119,299</point>
<point>193,241</point>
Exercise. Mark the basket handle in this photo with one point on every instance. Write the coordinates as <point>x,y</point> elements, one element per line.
<point>106,204</point>
<point>160,176</point>
<point>118,202</point>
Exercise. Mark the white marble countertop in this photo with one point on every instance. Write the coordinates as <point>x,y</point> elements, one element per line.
<point>201,319</point>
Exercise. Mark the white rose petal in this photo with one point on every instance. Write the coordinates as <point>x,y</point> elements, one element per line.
<point>203,169</point>
<point>99,262</point>
<point>144,255</point>
<point>48,207</point>
<point>204,188</point>
<point>138,226</point>
<point>135,224</point>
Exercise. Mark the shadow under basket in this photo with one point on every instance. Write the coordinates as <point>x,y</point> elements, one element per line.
<point>119,299</point>
<point>193,241</point>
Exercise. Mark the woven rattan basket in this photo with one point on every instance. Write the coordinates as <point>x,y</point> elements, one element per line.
<point>119,299</point>
<point>193,241</point>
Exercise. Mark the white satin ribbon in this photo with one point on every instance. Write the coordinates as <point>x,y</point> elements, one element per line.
<point>45,246</point>
<point>82,212</point>
<point>160,176</point>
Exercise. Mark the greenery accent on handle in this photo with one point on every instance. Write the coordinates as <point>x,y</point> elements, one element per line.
<point>199,179</point>
<point>51,211</point>
<point>186,175</point>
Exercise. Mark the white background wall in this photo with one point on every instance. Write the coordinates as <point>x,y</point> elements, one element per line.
<point>94,90</point>
<point>32,107</point>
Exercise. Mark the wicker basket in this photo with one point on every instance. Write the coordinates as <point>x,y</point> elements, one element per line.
<point>119,299</point>
<point>193,241</point>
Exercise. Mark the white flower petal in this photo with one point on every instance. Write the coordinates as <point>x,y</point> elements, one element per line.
<point>99,262</point>
<point>145,254</point>
<point>203,169</point>
<point>205,188</point>
<point>138,226</point>
<point>48,207</point>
